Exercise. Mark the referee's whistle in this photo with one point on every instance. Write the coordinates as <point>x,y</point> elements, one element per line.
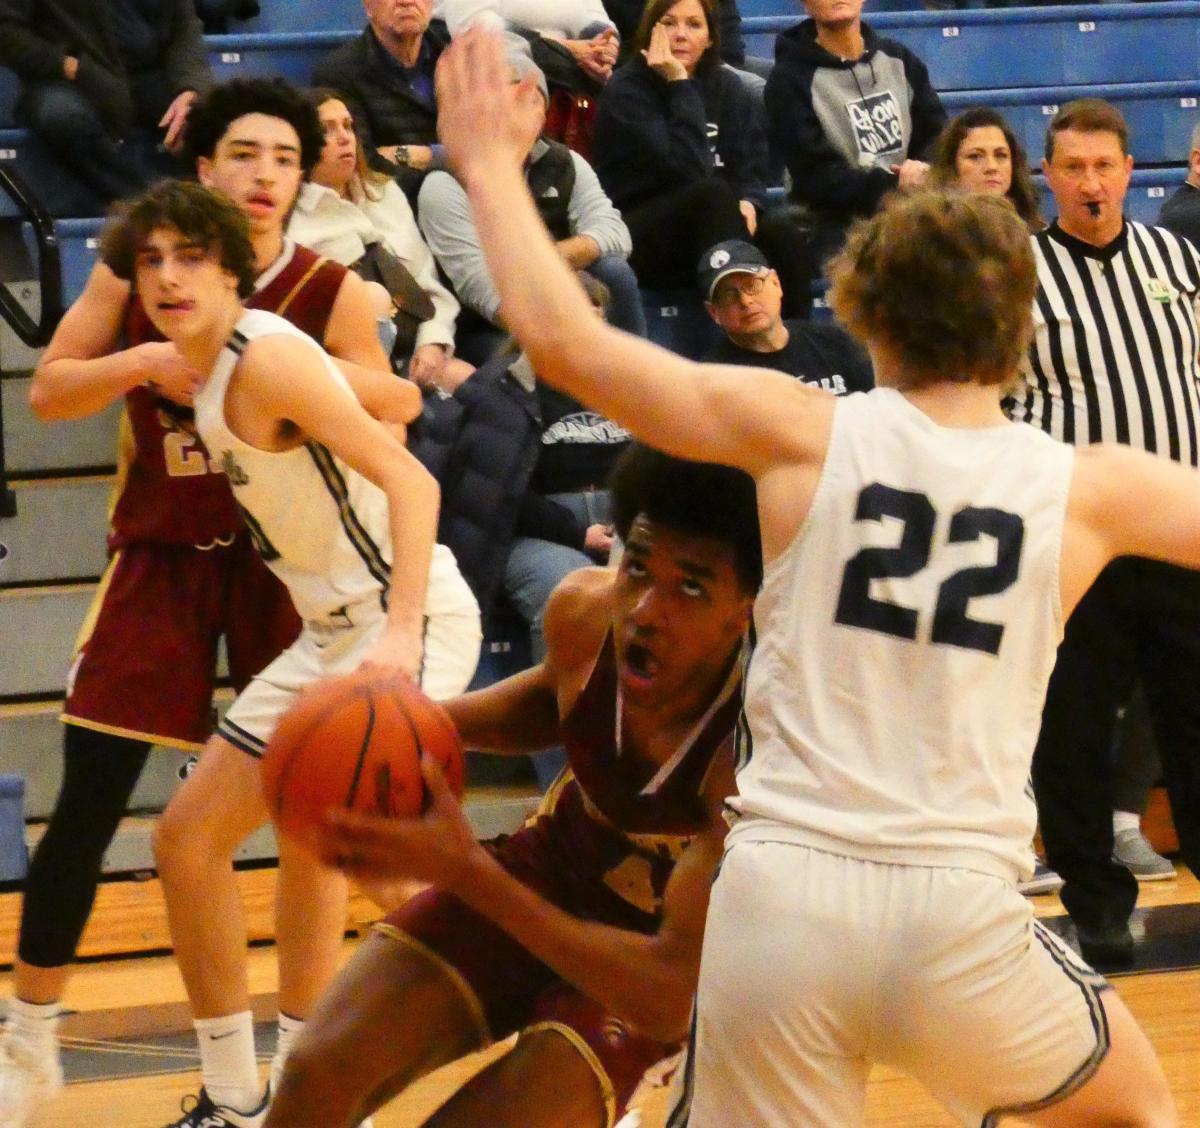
<point>1093,208</point>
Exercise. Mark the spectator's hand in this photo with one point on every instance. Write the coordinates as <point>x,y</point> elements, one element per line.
<point>484,117</point>
<point>427,365</point>
<point>591,57</point>
<point>175,119</point>
<point>606,46</point>
<point>70,67</point>
<point>167,373</point>
<point>911,174</point>
<point>749,214</point>
<point>598,542</point>
<point>659,58</point>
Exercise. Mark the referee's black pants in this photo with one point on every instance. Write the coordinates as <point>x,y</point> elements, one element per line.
<point>1141,619</point>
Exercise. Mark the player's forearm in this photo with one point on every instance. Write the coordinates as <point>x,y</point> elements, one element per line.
<point>657,395</point>
<point>73,389</point>
<point>513,717</point>
<point>642,979</point>
<point>413,499</point>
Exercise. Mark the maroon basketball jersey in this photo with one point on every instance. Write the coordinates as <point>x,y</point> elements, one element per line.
<point>609,832</point>
<point>168,490</point>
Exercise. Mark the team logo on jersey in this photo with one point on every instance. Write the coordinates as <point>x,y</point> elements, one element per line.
<point>718,259</point>
<point>877,125</point>
<point>236,475</point>
<point>1159,291</point>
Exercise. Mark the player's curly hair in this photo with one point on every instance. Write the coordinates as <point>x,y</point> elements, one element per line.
<point>206,217</point>
<point>212,114</point>
<point>699,499</point>
<point>944,282</point>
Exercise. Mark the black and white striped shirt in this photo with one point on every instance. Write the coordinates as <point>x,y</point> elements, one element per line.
<point>1114,355</point>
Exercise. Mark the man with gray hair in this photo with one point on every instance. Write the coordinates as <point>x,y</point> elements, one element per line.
<point>1181,213</point>
<point>588,231</point>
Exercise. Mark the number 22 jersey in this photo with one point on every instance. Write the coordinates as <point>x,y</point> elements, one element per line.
<point>904,640</point>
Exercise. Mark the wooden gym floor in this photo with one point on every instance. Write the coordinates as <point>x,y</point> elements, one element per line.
<point>140,997</point>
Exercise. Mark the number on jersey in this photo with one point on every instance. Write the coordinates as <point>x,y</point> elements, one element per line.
<point>952,623</point>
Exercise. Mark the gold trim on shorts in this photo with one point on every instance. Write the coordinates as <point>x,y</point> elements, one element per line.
<point>607,1093</point>
<point>456,977</point>
<point>88,626</point>
<point>133,734</point>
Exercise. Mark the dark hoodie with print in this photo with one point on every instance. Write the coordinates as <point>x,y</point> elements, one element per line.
<point>839,125</point>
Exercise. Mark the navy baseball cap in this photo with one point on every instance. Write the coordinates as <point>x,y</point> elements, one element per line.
<point>733,256</point>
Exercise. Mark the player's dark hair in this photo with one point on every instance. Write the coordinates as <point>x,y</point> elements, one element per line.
<point>698,499</point>
<point>212,114</point>
<point>207,218</point>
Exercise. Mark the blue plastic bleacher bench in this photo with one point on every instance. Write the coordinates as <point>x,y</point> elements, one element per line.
<point>14,859</point>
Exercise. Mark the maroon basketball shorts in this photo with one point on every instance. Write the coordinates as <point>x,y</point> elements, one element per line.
<point>146,659</point>
<point>510,990</point>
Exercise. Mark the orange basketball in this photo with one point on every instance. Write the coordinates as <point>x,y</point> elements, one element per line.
<point>355,743</point>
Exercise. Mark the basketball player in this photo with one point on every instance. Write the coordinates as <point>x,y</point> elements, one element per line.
<point>340,512</point>
<point>582,930</point>
<point>183,570</point>
<point>920,554</point>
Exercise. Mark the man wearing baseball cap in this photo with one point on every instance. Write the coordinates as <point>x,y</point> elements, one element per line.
<point>743,296</point>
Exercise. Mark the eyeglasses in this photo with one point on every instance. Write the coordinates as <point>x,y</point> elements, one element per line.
<point>731,294</point>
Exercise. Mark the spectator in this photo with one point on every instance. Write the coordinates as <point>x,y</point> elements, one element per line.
<point>979,152</point>
<point>94,75</point>
<point>1181,213</point>
<point>848,112</point>
<point>589,231</point>
<point>679,144</point>
<point>386,79</point>
<point>1113,360</point>
<point>627,14</point>
<point>346,207</point>
<point>573,41</point>
<point>743,296</point>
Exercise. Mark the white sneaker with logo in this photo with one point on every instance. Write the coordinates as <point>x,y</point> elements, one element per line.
<point>204,1114</point>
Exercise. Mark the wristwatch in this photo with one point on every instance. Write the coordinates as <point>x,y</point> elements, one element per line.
<point>402,154</point>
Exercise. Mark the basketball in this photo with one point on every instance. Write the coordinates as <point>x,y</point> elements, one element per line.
<point>355,743</point>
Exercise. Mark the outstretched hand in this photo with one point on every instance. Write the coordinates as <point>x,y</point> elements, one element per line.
<point>484,117</point>
<point>437,847</point>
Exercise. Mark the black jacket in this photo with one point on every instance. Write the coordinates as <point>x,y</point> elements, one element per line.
<point>386,110</point>
<point>36,35</point>
<point>840,125</point>
<point>653,136</point>
<point>482,447</point>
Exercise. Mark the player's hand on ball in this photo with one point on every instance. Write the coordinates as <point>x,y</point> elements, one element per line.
<point>436,846</point>
<point>398,651</point>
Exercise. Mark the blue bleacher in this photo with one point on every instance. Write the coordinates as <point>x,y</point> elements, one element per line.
<point>291,54</point>
<point>1160,114</point>
<point>306,15</point>
<point>1055,46</point>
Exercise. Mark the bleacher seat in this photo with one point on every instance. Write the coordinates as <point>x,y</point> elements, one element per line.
<point>1055,46</point>
<point>306,15</point>
<point>291,54</point>
<point>677,320</point>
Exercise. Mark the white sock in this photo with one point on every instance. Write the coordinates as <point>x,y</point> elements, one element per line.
<point>34,1026</point>
<point>1126,820</point>
<point>228,1066</point>
<point>289,1031</point>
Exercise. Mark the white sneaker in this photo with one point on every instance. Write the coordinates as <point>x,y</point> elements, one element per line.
<point>28,1080</point>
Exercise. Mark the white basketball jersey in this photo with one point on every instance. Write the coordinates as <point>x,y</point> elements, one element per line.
<point>903,642</point>
<point>320,526</point>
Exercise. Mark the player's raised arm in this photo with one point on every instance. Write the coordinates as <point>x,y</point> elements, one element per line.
<point>701,412</point>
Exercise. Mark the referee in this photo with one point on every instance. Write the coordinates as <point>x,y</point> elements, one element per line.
<point>1114,359</point>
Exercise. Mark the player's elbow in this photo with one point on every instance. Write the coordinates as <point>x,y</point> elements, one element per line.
<point>42,402</point>
<point>665,1018</point>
